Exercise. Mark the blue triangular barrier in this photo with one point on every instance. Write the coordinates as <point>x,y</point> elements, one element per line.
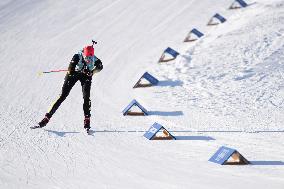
<point>169,51</point>
<point>151,79</point>
<point>228,156</point>
<point>151,134</point>
<point>217,16</point>
<point>134,102</point>
<point>238,4</point>
<point>197,34</point>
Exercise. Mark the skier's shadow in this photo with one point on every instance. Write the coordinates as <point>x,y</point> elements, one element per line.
<point>60,133</point>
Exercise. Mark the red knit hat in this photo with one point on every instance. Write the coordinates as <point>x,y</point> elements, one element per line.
<point>89,51</point>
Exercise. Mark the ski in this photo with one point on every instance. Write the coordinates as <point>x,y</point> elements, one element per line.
<point>35,127</point>
<point>90,132</point>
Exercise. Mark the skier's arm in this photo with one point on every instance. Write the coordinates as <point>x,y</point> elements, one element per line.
<point>99,66</point>
<point>73,63</point>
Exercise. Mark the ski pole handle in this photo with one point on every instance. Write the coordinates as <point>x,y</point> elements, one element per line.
<point>51,71</point>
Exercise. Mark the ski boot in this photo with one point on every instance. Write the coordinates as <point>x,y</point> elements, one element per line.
<point>45,120</point>
<point>87,123</point>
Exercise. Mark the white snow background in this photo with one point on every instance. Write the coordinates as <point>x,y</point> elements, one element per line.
<point>228,86</point>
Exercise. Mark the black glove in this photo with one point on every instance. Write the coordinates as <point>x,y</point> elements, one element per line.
<point>88,72</point>
<point>71,72</point>
<point>99,65</point>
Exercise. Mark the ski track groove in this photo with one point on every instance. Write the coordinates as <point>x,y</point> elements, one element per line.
<point>171,17</point>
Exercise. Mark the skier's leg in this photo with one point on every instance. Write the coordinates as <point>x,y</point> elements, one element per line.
<point>86,89</point>
<point>69,82</point>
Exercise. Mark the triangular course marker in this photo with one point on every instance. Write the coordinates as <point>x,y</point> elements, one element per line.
<point>216,19</point>
<point>168,55</point>
<point>193,35</point>
<point>127,111</point>
<point>154,134</point>
<point>151,81</point>
<point>238,4</point>
<point>228,156</point>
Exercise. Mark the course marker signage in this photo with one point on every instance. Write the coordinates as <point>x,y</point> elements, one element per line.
<point>216,19</point>
<point>193,35</point>
<point>158,132</point>
<point>148,77</point>
<point>134,103</point>
<point>228,156</point>
<point>168,55</point>
<point>238,4</point>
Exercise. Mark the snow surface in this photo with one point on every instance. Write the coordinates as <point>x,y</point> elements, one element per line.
<point>225,89</point>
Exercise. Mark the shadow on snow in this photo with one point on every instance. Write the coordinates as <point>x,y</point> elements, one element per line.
<point>60,133</point>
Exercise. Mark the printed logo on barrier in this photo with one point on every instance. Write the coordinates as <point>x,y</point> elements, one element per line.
<point>139,109</point>
<point>168,55</point>
<point>216,19</point>
<point>238,4</point>
<point>158,132</point>
<point>147,80</point>
<point>193,35</point>
<point>228,156</point>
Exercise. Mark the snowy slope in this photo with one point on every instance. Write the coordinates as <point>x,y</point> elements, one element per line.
<point>224,89</point>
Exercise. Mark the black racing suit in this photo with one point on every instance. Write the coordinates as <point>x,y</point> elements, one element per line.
<point>85,77</point>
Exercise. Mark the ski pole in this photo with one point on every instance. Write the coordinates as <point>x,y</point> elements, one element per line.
<point>51,71</point>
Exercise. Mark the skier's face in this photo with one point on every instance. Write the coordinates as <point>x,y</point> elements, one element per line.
<point>88,59</point>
